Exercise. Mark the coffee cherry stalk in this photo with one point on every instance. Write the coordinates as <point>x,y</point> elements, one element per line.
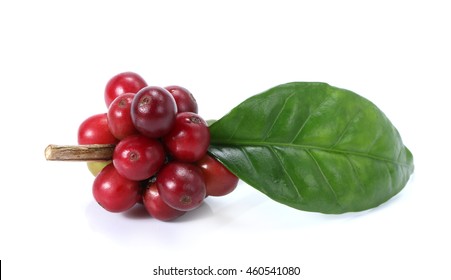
<point>149,148</point>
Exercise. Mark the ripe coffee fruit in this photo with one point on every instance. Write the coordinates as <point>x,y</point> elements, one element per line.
<point>160,155</point>
<point>126,82</point>
<point>183,98</point>
<point>153,111</point>
<point>219,180</point>
<point>114,192</point>
<point>156,207</point>
<point>138,157</point>
<point>181,185</point>
<point>95,130</point>
<point>119,118</point>
<point>189,138</point>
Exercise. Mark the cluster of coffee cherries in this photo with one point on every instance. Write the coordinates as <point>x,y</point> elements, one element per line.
<point>160,158</point>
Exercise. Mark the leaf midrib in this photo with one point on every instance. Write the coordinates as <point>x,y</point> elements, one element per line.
<point>270,145</point>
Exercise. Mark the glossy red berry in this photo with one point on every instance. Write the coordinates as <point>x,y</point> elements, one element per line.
<point>119,118</point>
<point>126,82</point>
<point>181,185</point>
<point>219,180</point>
<point>183,98</point>
<point>138,157</point>
<point>95,130</point>
<point>156,207</point>
<point>114,192</point>
<point>189,138</point>
<point>153,111</point>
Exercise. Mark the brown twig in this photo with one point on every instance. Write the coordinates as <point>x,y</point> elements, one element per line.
<point>96,152</point>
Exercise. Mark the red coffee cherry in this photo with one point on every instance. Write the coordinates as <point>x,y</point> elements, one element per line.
<point>95,130</point>
<point>119,118</point>
<point>156,207</point>
<point>183,98</point>
<point>126,82</point>
<point>181,185</point>
<point>138,157</point>
<point>189,138</point>
<point>114,192</point>
<point>153,111</point>
<point>219,180</point>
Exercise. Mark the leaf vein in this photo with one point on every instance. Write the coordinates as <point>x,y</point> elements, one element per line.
<point>375,139</point>
<point>307,147</point>
<point>308,119</point>
<point>277,117</point>
<point>293,184</point>
<point>236,129</point>
<point>243,150</point>
<point>324,177</point>
<point>348,125</point>
<point>354,170</point>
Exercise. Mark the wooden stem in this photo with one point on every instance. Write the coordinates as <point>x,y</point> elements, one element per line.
<point>95,152</point>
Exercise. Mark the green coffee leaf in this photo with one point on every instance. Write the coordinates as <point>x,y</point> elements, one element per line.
<point>313,147</point>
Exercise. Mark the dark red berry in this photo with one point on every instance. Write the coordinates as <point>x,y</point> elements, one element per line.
<point>119,118</point>
<point>156,207</point>
<point>126,82</point>
<point>114,192</point>
<point>181,185</point>
<point>95,130</point>
<point>153,111</point>
<point>138,157</point>
<point>189,138</point>
<point>183,98</point>
<point>219,180</point>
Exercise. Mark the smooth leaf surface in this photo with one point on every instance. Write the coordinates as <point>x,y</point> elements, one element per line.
<point>313,147</point>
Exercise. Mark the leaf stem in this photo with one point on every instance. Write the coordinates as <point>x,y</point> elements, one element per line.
<point>95,152</point>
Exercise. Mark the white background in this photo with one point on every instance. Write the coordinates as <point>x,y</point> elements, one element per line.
<point>56,57</point>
